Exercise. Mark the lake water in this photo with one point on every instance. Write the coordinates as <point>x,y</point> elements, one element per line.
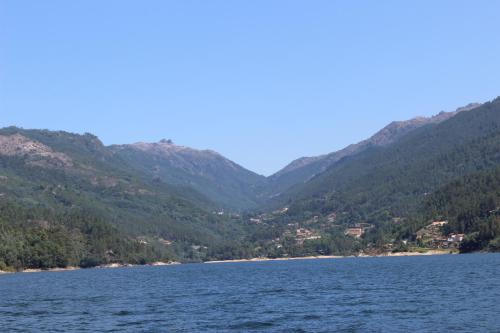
<point>397,294</point>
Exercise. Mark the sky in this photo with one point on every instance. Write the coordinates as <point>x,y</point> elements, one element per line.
<point>261,82</point>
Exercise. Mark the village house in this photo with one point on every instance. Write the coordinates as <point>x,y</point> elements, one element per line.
<point>455,237</point>
<point>280,211</point>
<point>440,243</point>
<point>356,232</point>
<point>302,234</point>
<point>142,240</point>
<point>432,236</point>
<point>452,241</point>
<point>165,241</point>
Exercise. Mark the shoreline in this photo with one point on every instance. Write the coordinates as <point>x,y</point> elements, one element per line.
<point>275,259</point>
<point>387,254</point>
<point>74,268</point>
<point>260,259</point>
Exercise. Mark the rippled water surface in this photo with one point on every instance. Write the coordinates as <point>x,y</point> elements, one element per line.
<point>401,294</point>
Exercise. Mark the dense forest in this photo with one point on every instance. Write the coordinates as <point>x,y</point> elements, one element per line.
<point>84,192</point>
<point>471,204</point>
<point>43,238</point>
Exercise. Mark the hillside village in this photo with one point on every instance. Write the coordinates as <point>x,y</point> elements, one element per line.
<point>432,236</point>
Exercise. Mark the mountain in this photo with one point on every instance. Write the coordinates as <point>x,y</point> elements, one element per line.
<point>388,183</point>
<point>67,199</point>
<point>59,187</point>
<point>305,168</point>
<point>226,183</point>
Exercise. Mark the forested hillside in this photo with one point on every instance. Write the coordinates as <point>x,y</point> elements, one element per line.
<point>75,180</point>
<point>226,183</point>
<point>304,169</point>
<point>387,193</point>
<point>471,204</point>
<point>386,182</point>
<point>46,238</point>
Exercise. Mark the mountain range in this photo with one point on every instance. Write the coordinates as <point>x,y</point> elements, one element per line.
<point>161,201</point>
<point>303,169</point>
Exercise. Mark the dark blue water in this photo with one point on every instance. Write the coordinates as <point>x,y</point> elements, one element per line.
<point>458,293</point>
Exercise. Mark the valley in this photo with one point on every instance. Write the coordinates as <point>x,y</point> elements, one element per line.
<point>68,200</point>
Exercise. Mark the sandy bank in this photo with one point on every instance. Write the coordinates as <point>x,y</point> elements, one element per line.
<point>156,263</point>
<point>56,269</point>
<point>273,259</point>
<point>387,254</point>
<point>407,254</point>
<point>160,263</point>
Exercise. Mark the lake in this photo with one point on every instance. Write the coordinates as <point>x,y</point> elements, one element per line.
<point>458,293</point>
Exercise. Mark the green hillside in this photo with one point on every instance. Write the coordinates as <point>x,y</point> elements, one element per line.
<point>63,174</point>
<point>386,182</point>
<point>66,199</point>
<point>471,205</point>
<point>387,193</point>
<point>227,184</point>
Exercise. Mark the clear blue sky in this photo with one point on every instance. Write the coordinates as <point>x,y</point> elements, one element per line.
<point>262,82</point>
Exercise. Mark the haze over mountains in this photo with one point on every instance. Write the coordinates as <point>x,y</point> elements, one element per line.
<point>223,181</point>
<point>147,201</point>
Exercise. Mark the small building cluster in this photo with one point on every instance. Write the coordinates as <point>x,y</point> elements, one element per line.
<point>358,230</point>
<point>302,234</point>
<point>433,236</point>
<point>354,232</point>
<point>255,220</point>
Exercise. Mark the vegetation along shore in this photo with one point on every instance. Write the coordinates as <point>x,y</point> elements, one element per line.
<point>421,185</point>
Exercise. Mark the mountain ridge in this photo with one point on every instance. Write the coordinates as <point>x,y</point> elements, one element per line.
<point>227,183</point>
<point>303,169</point>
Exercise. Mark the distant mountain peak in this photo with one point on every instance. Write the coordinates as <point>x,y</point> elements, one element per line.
<point>468,107</point>
<point>206,171</point>
<point>304,168</point>
<point>167,147</point>
<point>396,129</point>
